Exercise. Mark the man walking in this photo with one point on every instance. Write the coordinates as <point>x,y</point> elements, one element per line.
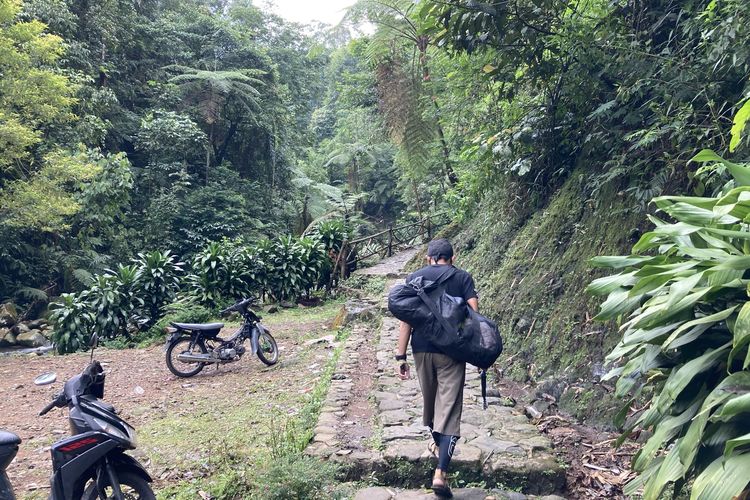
<point>440,376</point>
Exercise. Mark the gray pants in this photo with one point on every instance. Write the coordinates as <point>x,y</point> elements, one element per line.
<point>442,381</point>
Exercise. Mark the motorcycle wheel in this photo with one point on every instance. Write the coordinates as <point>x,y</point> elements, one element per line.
<point>133,487</point>
<point>268,351</point>
<point>180,368</point>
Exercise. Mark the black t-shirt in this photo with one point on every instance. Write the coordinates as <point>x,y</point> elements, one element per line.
<point>461,284</point>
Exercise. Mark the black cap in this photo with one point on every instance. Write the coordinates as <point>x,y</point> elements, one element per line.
<point>440,248</point>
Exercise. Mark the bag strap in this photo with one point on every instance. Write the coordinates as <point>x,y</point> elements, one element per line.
<point>446,275</point>
<point>431,305</point>
<point>483,375</point>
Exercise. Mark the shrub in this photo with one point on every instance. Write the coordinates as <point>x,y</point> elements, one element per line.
<point>73,323</point>
<point>222,270</point>
<point>684,294</point>
<point>315,263</point>
<point>332,234</point>
<point>113,301</point>
<point>157,281</point>
<point>282,267</point>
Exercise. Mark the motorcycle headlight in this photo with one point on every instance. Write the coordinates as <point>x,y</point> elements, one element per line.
<point>112,430</point>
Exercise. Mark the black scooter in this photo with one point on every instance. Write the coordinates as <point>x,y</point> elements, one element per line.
<point>92,463</point>
<point>191,346</point>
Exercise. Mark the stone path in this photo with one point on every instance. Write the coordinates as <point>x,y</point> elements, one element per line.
<point>391,267</point>
<point>498,447</point>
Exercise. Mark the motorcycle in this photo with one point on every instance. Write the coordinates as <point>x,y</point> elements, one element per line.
<point>91,464</point>
<point>190,346</point>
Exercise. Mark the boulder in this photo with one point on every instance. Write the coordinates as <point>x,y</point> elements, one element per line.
<point>271,309</point>
<point>20,328</point>
<point>37,324</point>
<point>7,338</point>
<point>32,338</point>
<point>8,314</point>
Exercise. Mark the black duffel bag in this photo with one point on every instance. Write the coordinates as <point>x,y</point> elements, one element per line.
<point>447,322</point>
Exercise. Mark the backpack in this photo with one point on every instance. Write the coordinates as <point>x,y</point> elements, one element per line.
<point>448,323</point>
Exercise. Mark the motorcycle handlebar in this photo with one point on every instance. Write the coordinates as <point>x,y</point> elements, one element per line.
<point>236,307</point>
<point>53,404</point>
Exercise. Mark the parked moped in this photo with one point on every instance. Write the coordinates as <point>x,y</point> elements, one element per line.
<point>91,464</point>
<point>191,346</point>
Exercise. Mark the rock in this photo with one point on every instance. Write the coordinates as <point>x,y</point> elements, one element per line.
<point>523,323</point>
<point>271,309</point>
<point>508,495</point>
<point>37,324</point>
<point>330,340</point>
<point>410,451</point>
<point>20,328</point>
<point>491,445</point>
<point>374,494</point>
<point>8,314</point>
<point>33,338</point>
<point>393,433</point>
<point>532,412</point>
<point>7,338</point>
<point>287,305</point>
<point>355,310</point>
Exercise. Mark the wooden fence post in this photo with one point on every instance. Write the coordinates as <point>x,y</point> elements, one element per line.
<point>390,240</point>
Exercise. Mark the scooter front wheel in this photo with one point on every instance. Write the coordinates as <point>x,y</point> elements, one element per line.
<point>268,351</point>
<point>182,368</point>
<point>132,485</point>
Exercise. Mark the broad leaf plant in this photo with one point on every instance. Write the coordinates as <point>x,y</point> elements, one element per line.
<point>682,297</point>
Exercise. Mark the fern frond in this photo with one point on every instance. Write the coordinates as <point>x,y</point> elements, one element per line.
<point>32,294</point>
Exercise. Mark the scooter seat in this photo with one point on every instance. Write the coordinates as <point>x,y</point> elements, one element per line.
<point>9,439</point>
<point>202,327</point>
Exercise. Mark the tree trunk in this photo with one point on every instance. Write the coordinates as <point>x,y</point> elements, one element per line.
<point>448,169</point>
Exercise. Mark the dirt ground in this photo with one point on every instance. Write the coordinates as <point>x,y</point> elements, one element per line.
<point>155,402</point>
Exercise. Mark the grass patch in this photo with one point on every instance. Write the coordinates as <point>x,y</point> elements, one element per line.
<point>249,444</point>
<point>370,285</point>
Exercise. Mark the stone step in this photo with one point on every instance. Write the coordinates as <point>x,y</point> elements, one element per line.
<point>384,493</point>
<point>498,446</point>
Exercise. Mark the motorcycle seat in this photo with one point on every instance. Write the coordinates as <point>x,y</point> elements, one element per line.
<point>8,438</point>
<point>202,327</point>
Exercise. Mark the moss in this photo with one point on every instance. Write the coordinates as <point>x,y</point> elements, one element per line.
<point>531,268</point>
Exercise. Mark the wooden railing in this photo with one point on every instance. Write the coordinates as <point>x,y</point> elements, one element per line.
<point>387,242</point>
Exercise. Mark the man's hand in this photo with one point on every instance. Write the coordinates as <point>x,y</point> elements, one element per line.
<point>402,370</point>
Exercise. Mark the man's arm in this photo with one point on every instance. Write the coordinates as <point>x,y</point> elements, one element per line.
<point>404,334</point>
<point>473,303</point>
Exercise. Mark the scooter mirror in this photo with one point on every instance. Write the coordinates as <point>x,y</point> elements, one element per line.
<point>45,378</point>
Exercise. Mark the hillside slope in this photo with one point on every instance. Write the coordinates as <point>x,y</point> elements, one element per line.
<point>531,265</point>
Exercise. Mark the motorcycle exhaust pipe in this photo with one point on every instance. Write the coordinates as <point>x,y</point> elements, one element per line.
<point>186,357</point>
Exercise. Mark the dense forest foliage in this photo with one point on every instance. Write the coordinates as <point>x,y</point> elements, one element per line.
<point>139,126</point>
<point>169,125</point>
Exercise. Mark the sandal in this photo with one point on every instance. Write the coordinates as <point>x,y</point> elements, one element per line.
<point>440,485</point>
<point>432,447</point>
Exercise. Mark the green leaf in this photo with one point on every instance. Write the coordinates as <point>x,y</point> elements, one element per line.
<point>619,302</point>
<point>734,443</point>
<point>740,173</point>
<point>682,376</point>
<point>706,321</point>
<point>667,429</point>
<point>736,405</point>
<point>724,478</point>
<point>608,284</point>
<point>618,262</point>
<point>738,125</point>
<point>741,338</point>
